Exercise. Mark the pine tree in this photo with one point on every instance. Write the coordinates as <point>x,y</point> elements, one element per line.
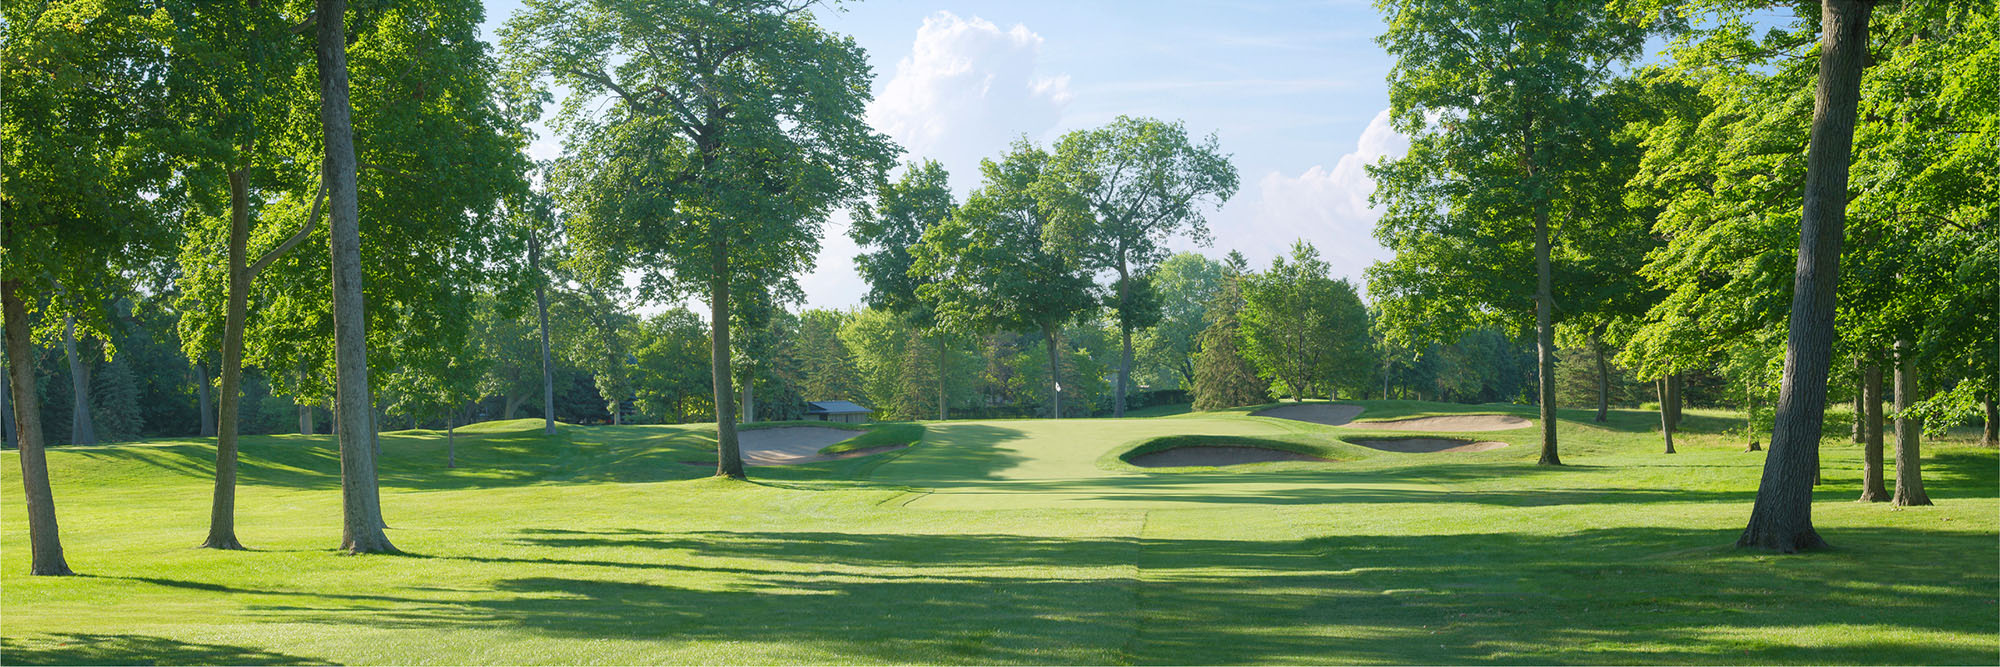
<point>1222,377</point>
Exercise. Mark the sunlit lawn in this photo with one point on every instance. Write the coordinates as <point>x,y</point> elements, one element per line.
<point>1014,541</point>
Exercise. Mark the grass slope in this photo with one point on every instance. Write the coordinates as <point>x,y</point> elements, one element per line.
<point>1003,542</point>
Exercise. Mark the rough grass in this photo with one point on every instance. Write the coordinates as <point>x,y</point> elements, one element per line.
<point>881,434</point>
<point>1003,542</point>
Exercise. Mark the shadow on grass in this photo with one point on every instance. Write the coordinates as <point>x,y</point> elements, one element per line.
<point>128,649</point>
<point>1653,595</point>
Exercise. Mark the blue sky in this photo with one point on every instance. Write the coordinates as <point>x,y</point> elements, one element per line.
<point>1295,91</point>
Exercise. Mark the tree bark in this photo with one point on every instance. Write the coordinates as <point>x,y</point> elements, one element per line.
<point>1675,382</point>
<point>542,315</point>
<point>1872,488</point>
<point>222,508</point>
<point>1665,388</point>
<point>1991,435</point>
<point>450,441</point>
<point>1603,380</point>
<point>1781,518</point>
<point>943,352</point>
<point>1055,374</point>
<point>360,497</point>
<point>6,410</point>
<point>513,406</point>
<point>1860,411</point>
<point>44,542</point>
<point>1125,336</point>
<point>728,455</point>
<point>749,397</point>
<point>305,409</point>
<point>202,403</point>
<point>1909,430</point>
<point>1545,338</point>
<point>81,430</point>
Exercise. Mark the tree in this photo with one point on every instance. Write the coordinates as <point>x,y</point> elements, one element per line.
<point>1302,328</point>
<point>903,211</point>
<point>989,267</point>
<point>743,120</point>
<point>78,137</point>
<point>1144,183</point>
<point>1499,101</point>
<point>596,332</point>
<point>827,367</point>
<point>1223,378</point>
<point>1185,285</point>
<point>667,354</point>
<point>361,504</point>
<point>1781,518</point>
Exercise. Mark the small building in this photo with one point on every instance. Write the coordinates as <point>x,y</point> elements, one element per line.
<point>837,411</point>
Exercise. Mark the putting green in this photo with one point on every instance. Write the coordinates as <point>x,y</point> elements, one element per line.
<point>1025,541</point>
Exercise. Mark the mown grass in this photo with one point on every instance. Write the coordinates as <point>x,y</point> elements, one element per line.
<point>1004,542</point>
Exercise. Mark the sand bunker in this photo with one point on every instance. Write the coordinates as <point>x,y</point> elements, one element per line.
<point>1426,445</point>
<point>797,444</point>
<point>1449,424</point>
<point>1215,455</point>
<point>1317,413</point>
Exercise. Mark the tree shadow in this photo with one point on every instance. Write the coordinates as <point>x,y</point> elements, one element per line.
<point>1655,595</point>
<point>71,648</point>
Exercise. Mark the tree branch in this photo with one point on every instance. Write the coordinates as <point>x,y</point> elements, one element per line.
<point>312,221</point>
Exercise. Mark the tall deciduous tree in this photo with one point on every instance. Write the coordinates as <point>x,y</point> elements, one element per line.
<point>1302,328</point>
<point>902,211</point>
<point>1185,285</point>
<point>1499,98</point>
<point>735,128</point>
<point>361,504</point>
<point>1145,183</point>
<point>79,137</point>
<point>1781,519</point>
<point>991,267</point>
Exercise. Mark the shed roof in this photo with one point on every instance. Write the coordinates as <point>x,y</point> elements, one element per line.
<point>834,407</point>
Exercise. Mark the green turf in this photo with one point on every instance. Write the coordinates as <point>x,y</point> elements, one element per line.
<point>1012,541</point>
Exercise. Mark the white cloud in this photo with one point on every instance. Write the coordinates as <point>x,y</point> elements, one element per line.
<point>1325,206</point>
<point>966,90</point>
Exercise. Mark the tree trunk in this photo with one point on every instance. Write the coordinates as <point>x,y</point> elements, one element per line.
<point>1545,338</point>
<point>6,410</point>
<point>542,315</point>
<point>1055,374</point>
<point>1665,388</point>
<point>306,425</point>
<point>728,455</point>
<point>1991,435</point>
<point>1603,381</point>
<point>943,352</point>
<point>1125,336</point>
<point>1909,429</point>
<point>1781,518</point>
<point>202,403</point>
<point>222,509</point>
<point>81,431</point>
<point>1675,382</point>
<point>44,542</point>
<point>450,441</point>
<point>361,503</point>
<point>1860,411</point>
<point>1872,488</point>
<point>749,398</point>
<point>513,406</point>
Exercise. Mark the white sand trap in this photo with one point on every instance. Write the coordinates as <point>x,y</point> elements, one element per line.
<point>1426,445</point>
<point>1449,424</point>
<point>1215,455</point>
<point>797,444</point>
<point>1318,413</point>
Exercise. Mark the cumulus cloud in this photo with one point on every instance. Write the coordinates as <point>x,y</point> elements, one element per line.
<point>967,88</point>
<point>1326,206</point>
